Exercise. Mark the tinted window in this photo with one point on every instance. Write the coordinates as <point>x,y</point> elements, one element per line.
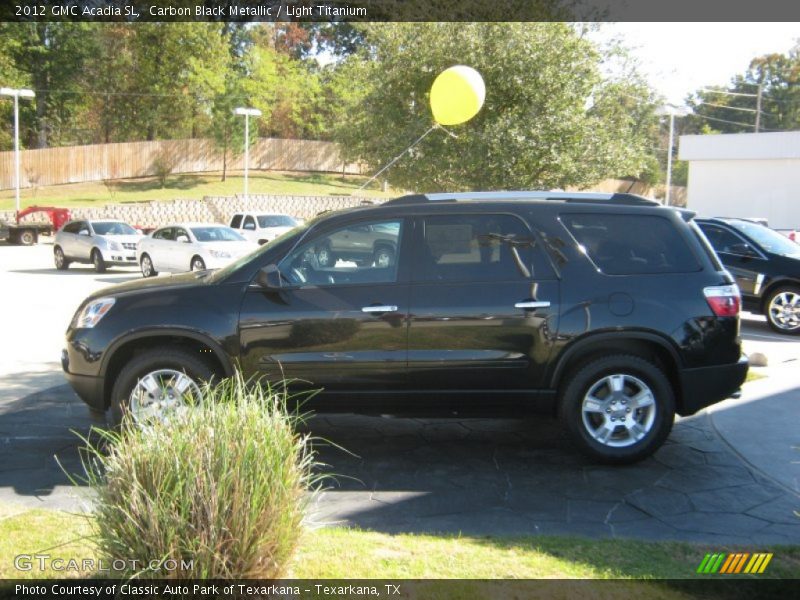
<point>725,241</point>
<point>72,227</point>
<point>113,229</point>
<point>216,234</point>
<point>180,234</point>
<point>631,244</point>
<point>362,253</point>
<point>473,248</point>
<point>249,223</point>
<point>164,234</point>
<point>265,221</point>
<point>236,222</point>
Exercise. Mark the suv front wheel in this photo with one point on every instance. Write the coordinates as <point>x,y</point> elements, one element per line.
<point>618,409</point>
<point>157,384</point>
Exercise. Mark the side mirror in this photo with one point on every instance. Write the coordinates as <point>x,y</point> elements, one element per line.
<point>182,238</point>
<point>269,278</point>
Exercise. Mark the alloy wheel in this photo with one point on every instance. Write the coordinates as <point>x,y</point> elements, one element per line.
<point>784,311</point>
<point>618,410</point>
<point>161,395</point>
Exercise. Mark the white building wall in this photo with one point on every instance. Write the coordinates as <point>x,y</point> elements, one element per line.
<point>745,175</point>
<point>768,189</point>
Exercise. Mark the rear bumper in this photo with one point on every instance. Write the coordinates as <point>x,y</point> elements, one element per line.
<point>89,388</point>
<point>705,386</point>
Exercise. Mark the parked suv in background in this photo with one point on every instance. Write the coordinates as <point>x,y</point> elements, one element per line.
<point>766,266</point>
<point>262,227</point>
<point>607,310</point>
<point>101,243</point>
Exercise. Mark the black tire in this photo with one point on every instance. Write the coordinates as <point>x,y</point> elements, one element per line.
<point>146,264</point>
<point>98,262</point>
<point>593,377</point>
<point>383,257</point>
<point>147,362</point>
<point>787,323</point>
<point>61,261</point>
<point>197,264</point>
<point>27,237</point>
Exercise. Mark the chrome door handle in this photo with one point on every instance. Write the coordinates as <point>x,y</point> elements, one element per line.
<point>379,309</point>
<point>532,304</point>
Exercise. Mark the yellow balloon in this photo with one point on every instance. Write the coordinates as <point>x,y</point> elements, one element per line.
<point>457,95</point>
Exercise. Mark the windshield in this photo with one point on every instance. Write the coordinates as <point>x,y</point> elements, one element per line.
<point>230,268</point>
<point>114,229</point>
<point>216,234</point>
<point>265,221</point>
<point>769,239</point>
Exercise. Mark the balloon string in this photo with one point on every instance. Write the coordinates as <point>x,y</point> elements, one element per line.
<point>399,156</point>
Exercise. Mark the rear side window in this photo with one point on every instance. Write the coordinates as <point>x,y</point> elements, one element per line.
<point>236,221</point>
<point>631,244</point>
<point>474,248</point>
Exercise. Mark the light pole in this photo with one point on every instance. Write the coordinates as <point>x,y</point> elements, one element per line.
<point>672,111</point>
<point>247,112</point>
<point>17,94</point>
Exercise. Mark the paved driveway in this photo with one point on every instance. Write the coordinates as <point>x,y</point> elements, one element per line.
<point>473,476</point>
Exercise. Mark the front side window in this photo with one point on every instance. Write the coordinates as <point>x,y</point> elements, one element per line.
<point>362,253</point>
<point>72,227</point>
<point>236,221</point>
<point>631,244</point>
<point>164,234</point>
<point>726,242</point>
<point>249,223</point>
<point>474,248</point>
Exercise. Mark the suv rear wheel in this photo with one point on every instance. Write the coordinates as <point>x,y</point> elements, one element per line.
<point>157,384</point>
<point>783,310</point>
<point>618,409</point>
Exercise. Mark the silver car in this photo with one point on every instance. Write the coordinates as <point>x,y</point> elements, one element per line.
<point>101,243</point>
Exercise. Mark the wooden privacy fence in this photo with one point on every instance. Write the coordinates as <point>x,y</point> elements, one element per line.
<point>76,164</point>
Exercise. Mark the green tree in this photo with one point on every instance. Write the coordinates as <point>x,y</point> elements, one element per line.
<point>550,119</point>
<point>732,108</point>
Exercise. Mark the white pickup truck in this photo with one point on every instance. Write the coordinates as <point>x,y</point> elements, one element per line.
<point>262,227</point>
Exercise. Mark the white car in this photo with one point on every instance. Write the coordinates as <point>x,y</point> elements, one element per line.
<point>263,227</point>
<point>190,247</point>
<point>102,243</point>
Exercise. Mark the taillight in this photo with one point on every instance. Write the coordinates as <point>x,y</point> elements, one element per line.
<point>724,300</point>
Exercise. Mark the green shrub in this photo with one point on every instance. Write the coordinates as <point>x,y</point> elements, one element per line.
<point>223,485</point>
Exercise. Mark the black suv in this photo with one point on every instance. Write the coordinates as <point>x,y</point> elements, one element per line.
<point>765,265</point>
<point>607,310</point>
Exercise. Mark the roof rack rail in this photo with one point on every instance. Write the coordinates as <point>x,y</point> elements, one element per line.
<point>579,197</point>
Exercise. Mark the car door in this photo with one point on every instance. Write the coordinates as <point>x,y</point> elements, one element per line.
<point>84,241</point>
<point>484,305</point>
<point>742,258</point>
<point>159,247</point>
<point>181,251</point>
<point>340,327</point>
<point>67,238</point>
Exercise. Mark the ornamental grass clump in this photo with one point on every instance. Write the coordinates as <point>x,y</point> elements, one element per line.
<point>222,486</point>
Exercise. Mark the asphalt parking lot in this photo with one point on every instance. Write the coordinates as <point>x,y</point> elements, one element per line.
<point>724,476</point>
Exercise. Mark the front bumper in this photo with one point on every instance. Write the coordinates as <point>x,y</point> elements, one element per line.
<point>705,386</point>
<point>88,387</point>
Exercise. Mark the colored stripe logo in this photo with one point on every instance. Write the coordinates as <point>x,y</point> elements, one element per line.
<point>740,562</point>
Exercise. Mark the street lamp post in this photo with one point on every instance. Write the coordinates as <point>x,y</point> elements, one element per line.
<point>16,94</point>
<point>247,112</point>
<point>672,111</point>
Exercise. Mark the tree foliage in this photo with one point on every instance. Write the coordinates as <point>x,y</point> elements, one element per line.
<point>550,118</point>
<point>732,108</point>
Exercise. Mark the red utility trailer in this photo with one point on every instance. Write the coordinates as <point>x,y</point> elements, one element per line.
<point>27,233</point>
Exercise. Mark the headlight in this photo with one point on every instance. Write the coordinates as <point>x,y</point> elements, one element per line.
<point>93,312</point>
<point>219,254</point>
<point>114,246</point>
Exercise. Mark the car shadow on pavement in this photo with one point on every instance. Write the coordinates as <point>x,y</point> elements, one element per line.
<point>522,477</point>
